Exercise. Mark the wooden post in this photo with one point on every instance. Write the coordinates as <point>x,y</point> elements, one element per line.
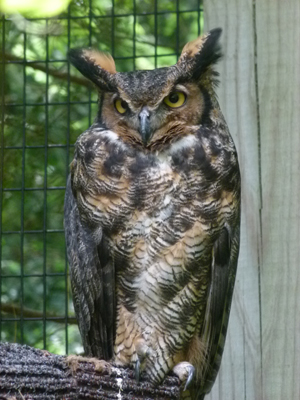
<point>278,67</point>
<point>260,97</point>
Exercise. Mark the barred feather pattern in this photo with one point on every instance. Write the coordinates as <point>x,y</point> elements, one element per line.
<point>161,213</point>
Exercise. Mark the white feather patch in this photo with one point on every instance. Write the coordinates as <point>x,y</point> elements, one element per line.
<point>186,141</point>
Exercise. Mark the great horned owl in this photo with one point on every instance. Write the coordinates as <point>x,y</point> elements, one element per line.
<point>152,215</point>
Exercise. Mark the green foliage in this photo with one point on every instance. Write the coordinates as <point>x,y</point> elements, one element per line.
<point>34,8</point>
<point>45,112</point>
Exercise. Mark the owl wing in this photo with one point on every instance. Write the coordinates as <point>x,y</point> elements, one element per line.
<point>224,264</point>
<point>92,281</point>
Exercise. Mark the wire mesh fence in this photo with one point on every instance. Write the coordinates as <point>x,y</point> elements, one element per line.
<point>45,105</point>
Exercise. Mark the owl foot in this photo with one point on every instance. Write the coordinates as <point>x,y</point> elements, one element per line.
<point>142,352</point>
<point>100,365</point>
<point>185,372</point>
<point>137,370</point>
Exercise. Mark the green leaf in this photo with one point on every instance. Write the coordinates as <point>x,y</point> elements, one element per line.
<point>34,8</point>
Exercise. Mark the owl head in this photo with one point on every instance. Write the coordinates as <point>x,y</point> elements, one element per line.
<point>152,108</point>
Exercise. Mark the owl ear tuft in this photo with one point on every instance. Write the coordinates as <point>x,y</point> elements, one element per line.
<point>98,67</point>
<point>197,56</point>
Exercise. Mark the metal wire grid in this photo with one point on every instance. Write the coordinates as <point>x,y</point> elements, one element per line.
<point>14,282</point>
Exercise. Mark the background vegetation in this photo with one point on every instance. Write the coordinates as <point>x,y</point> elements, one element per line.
<point>45,105</point>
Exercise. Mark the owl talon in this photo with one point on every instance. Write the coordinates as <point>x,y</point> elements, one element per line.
<point>190,378</point>
<point>142,352</point>
<point>137,370</point>
<point>185,372</point>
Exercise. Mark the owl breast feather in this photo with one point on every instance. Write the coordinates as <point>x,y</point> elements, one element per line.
<point>161,214</point>
<point>157,210</point>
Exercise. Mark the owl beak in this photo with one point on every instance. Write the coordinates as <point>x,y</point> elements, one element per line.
<point>144,125</point>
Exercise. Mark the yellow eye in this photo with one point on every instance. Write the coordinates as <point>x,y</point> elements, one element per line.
<point>121,106</point>
<point>175,99</point>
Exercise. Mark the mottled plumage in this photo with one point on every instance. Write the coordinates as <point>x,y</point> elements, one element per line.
<point>152,217</point>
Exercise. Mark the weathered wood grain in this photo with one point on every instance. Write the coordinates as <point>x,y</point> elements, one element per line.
<point>240,374</point>
<point>32,374</point>
<point>278,67</point>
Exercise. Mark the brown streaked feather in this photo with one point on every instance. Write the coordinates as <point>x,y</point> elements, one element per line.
<point>192,48</point>
<point>103,60</point>
<point>196,354</point>
<point>126,335</point>
<point>129,135</point>
<point>169,134</point>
